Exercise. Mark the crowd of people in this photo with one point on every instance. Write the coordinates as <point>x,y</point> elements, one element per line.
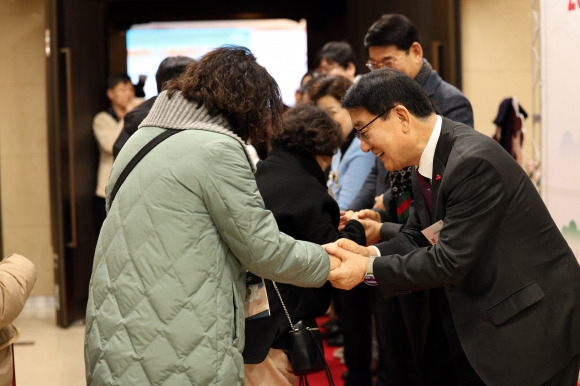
<point>373,200</point>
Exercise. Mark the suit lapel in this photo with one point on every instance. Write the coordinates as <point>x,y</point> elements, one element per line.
<point>439,162</point>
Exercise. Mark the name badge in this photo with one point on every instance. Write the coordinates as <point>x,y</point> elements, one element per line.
<point>432,232</point>
<point>256,302</point>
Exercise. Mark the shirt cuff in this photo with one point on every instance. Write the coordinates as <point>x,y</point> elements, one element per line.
<point>378,253</point>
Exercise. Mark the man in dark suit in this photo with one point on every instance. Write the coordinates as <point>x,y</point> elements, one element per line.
<point>393,41</point>
<point>504,285</point>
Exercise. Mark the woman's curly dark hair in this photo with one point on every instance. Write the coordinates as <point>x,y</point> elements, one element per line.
<point>333,85</point>
<point>229,81</point>
<point>308,130</point>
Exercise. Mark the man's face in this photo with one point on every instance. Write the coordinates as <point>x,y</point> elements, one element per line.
<point>121,95</point>
<point>329,67</point>
<point>386,137</point>
<point>408,62</point>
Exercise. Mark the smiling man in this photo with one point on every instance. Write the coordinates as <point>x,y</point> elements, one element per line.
<point>504,286</point>
<point>402,323</point>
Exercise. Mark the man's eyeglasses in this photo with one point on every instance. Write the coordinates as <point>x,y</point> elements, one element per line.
<point>387,62</point>
<point>361,134</point>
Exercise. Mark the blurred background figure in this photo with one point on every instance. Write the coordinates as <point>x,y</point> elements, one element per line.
<point>301,94</point>
<point>509,125</point>
<point>337,58</point>
<point>106,128</point>
<point>169,68</point>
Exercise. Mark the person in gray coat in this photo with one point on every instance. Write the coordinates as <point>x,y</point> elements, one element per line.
<point>168,288</point>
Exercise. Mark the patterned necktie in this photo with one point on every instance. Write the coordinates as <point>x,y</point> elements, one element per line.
<point>425,185</point>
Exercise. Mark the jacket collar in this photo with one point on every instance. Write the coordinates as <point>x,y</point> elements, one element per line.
<point>302,161</point>
<point>440,158</point>
<point>179,113</point>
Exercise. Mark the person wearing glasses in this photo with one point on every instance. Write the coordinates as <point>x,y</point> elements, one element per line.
<point>503,284</point>
<point>393,42</point>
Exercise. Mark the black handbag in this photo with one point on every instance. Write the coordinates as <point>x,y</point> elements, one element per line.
<point>305,350</point>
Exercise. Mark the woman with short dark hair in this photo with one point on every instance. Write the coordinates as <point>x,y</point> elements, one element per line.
<point>293,184</point>
<point>166,298</point>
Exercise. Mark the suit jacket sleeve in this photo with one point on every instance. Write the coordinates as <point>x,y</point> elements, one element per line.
<point>473,196</point>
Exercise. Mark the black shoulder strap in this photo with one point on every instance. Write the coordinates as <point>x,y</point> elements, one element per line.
<point>140,154</point>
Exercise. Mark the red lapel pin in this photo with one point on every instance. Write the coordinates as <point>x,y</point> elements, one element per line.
<point>438,177</point>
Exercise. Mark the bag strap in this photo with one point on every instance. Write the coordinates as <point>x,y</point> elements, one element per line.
<point>326,368</point>
<point>284,306</point>
<point>135,160</point>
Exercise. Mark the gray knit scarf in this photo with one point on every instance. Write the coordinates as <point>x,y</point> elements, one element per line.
<point>424,72</point>
<point>179,113</point>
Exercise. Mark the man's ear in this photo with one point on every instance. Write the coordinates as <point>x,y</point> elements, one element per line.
<point>416,51</point>
<point>110,94</point>
<point>402,115</point>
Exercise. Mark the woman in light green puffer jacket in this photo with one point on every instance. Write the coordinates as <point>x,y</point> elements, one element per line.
<point>167,290</point>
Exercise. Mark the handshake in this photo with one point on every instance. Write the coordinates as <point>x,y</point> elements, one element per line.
<point>348,263</point>
<point>369,219</point>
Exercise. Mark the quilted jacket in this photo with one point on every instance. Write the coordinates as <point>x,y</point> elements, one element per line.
<point>166,294</point>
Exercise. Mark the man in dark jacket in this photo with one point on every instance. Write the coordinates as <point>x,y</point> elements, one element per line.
<point>169,68</point>
<point>394,42</point>
<point>503,284</point>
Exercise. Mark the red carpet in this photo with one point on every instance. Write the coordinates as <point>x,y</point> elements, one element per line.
<point>336,368</point>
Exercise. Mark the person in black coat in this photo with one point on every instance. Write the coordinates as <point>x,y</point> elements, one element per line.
<point>292,182</point>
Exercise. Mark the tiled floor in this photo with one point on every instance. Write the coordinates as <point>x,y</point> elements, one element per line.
<point>45,354</point>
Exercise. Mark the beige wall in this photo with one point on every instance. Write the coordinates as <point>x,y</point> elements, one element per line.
<point>23,138</point>
<point>497,60</point>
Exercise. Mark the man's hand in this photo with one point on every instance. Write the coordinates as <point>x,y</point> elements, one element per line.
<point>334,262</point>
<point>372,231</point>
<point>345,216</point>
<point>353,247</point>
<point>379,203</point>
<point>368,214</point>
<point>353,263</point>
